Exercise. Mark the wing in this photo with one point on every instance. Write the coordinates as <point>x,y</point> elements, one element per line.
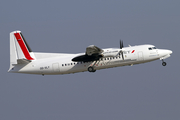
<point>93,53</point>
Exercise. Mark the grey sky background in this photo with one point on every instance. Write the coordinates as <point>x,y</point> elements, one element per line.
<point>141,92</point>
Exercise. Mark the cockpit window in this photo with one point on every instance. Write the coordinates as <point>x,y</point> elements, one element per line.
<point>152,48</point>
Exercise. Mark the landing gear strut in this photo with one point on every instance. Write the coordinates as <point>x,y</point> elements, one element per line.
<point>163,63</point>
<point>92,68</point>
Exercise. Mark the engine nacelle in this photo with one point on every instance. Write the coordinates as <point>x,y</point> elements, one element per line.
<point>110,53</point>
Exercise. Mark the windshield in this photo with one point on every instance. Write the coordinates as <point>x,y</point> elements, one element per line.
<point>152,48</point>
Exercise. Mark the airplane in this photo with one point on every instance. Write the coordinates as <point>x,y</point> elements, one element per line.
<point>24,60</point>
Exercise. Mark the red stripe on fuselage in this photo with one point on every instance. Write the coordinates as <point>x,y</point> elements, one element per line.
<point>23,46</point>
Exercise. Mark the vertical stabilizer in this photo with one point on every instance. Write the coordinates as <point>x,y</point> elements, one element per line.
<point>19,49</point>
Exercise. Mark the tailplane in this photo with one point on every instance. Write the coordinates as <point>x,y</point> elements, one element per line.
<point>20,52</point>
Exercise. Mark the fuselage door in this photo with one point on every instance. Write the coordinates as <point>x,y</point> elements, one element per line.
<point>140,55</point>
<point>55,67</point>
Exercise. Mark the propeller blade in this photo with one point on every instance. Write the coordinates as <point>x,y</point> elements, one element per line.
<point>122,54</point>
<point>121,44</point>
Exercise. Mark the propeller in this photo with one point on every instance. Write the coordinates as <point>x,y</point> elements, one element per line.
<point>121,46</point>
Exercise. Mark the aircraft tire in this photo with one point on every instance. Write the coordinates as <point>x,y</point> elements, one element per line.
<point>94,70</point>
<point>164,63</point>
<point>91,69</point>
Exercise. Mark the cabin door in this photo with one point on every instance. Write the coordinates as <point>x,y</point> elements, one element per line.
<point>56,67</point>
<point>140,56</point>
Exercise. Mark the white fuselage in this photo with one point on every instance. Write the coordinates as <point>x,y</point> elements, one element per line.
<point>47,63</point>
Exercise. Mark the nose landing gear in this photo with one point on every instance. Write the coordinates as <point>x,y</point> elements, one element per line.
<point>163,63</point>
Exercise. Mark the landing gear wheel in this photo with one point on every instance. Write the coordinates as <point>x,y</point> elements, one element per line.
<point>164,63</point>
<point>94,70</point>
<point>91,69</point>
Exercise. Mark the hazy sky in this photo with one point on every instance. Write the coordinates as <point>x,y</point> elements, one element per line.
<point>141,92</point>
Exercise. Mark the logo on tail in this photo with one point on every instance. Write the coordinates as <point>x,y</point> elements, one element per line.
<point>23,45</point>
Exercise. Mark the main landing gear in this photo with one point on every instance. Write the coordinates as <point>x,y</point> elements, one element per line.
<point>163,63</point>
<point>91,69</point>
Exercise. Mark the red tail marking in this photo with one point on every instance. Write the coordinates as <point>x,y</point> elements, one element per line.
<point>23,46</point>
<point>133,51</point>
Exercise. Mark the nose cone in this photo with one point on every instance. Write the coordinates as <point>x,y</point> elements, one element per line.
<point>170,52</point>
<point>163,53</point>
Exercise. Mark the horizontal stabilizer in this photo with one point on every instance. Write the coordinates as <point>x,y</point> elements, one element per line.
<point>23,61</point>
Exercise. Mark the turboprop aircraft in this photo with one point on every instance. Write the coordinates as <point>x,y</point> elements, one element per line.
<point>23,60</point>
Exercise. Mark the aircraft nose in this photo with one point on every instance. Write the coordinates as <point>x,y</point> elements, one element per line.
<point>170,52</point>
<point>164,52</point>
